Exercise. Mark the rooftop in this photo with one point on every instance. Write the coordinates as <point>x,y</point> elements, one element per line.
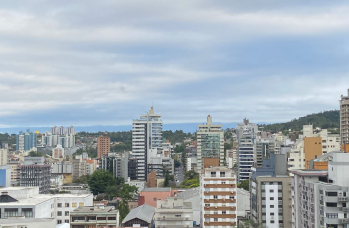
<point>144,212</point>
<point>156,190</point>
<point>24,220</point>
<point>310,172</point>
<point>94,209</point>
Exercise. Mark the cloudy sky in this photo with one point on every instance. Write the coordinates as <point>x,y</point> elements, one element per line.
<point>106,62</point>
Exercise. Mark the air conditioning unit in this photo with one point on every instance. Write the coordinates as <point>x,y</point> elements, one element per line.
<point>207,191</point>
<point>215,207</point>
<point>232,192</point>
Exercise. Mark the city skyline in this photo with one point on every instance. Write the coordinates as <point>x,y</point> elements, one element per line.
<point>69,63</point>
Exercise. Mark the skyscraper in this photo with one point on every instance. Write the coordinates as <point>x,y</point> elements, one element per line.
<point>146,136</point>
<point>246,149</point>
<point>103,145</point>
<point>344,118</point>
<point>26,141</point>
<point>210,142</point>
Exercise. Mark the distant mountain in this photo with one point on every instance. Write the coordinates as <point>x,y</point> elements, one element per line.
<point>326,119</point>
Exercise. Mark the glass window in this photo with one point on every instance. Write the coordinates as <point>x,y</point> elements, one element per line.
<point>66,204</point>
<point>81,204</point>
<point>27,212</point>
<point>66,213</point>
<point>213,174</point>
<point>59,205</point>
<point>59,213</point>
<point>73,204</point>
<point>222,174</point>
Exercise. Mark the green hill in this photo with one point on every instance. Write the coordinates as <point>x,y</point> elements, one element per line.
<point>325,120</point>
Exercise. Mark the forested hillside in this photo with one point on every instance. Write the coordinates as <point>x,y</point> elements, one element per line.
<point>326,119</point>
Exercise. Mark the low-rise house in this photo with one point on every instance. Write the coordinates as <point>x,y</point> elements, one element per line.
<point>141,216</point>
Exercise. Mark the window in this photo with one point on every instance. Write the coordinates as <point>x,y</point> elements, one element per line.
<point>271,206</point>
<point>223,182</point>
<point>27,212</point>
<point>271,198</point>
<point>66,204</point>
<point>222,174</point>
<point>332,215</point>
<point>271,190</point>
<point>59,213</point>
<point>215,212</point>
<point>215,219</point>
<point>59,205</point>
<point>66,213</point>
<point>271,213</point>
<point>207,204</point>
<point>155,199</point>
<point>223,205</point>
<point>66,221</point>
<point>81,204</point>
<point>224,212</point>
<point>11,212</point>
<point>213,174</point>
<point>331,193</point>
<point>215,197</point>
<point>331,204</point>
<point>271,221</point>
<point>101,218</point>
<point>178,216</point>
<point>73,205</point>
<point>59,221</point>
<point>111,218</point>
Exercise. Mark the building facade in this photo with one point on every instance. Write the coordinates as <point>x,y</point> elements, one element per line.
<point>26,141</point>
<point>173,212</point>
<point>35,172</point>
<point>3,156</point>
<point>218,192</point>
<point>210,142</point>
<point>344,118</point>
<point>146,136</point>
<point>103,146</point>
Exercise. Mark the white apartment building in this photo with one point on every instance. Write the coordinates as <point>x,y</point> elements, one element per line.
<point>210,142</point>
<point>320,197</point>
<point>231,157</point>
<point>58,152</point>
<point>27,202</point>
<point>3,156</point>
<point>219,198</point>
<point>146,135</point>
<point>310,145</point>
<point>173,212</point>
<point>246,148</point>
<point>344,118</point>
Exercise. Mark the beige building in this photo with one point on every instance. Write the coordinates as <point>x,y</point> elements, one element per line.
<point>3,156</point>
<point>344,118</point>
<point>310,146</point>
<point>173,212</point>
<point>218,194</point>
<point>210,142</point>
<point>103,146</point>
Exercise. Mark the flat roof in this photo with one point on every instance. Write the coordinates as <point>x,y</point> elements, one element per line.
<point>156,190</point>
<point>42,198</point>
<point>93,209</point>
<point>24,220</point>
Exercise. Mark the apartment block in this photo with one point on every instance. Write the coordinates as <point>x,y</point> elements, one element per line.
<point>210,142</point>
<point>344,118</point>
<point>95,216</point>
<point>3,156</point>
<point>26,141</point>
<point>35,172</point>
<point>218,192</point>
<point>270,193</point>
<point>246,148</point>
<point>264,147</point>
<point>320,197</point>
<point>103,146</point>
<point>173,212</point>
<point>146,136</point>
<point>117,163</point>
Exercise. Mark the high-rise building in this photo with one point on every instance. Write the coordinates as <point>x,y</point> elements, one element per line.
<point>344,118</point>
<point>103,145</point>
<point>246,148</point>
<point>61,136</point>
<point>210,142</point>
<point>35,172</point>
<point>270,193</point>
<point>5,176</point>
<point>26,141</point>
<point>3,156</point>
<point>264,147</point>
<point>116,163</point>
<point>218,194</point>
<point>146,136</point>
<point>58,152</point>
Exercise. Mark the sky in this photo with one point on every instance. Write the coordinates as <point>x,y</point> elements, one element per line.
<point>86,63</point>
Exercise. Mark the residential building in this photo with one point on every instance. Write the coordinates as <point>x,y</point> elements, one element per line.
<point>246,148</point>
<point>28,223</point>
<point>243,202</point>
<point>173,212</point>
<point>103,146</point>
<point>151,195</point>
<point>146,136</point>
<point>270,190</point>
<point>26,141</point>
<point>95,216</point>
<point>5,176</point>
<point>320,196</point>
<point>218,192</point>
<point>193,196</point>
<point>264,147</point>
<point>63,168</point>
<point>61,136</point>
<point>139,184</point>
<point>83,167</point>
<point>35,172</point>
<point>58,152</point>
<point>116,163</point>
<point>192,164</point>
<point>15,172</point>
<point>152,180</point>
<point>310,146</point>
<point>160,164</point>
<point>27,202</point>
<point>210,142</point>
<point>3,156</point>
<point>142,216</point>
<point>132,168</point>
<point>344,118</point>
<point>231,157</point>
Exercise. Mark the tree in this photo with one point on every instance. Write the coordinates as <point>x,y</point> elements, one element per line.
<point>83,179</point>
<point>35,154</point>
<point>177,164</point>
<point>249,224</point>
<point>100,180</point>
<point>245,184</point>
<point>127,193</point>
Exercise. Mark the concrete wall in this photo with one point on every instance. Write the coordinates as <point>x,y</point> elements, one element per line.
<point>312,149</point>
